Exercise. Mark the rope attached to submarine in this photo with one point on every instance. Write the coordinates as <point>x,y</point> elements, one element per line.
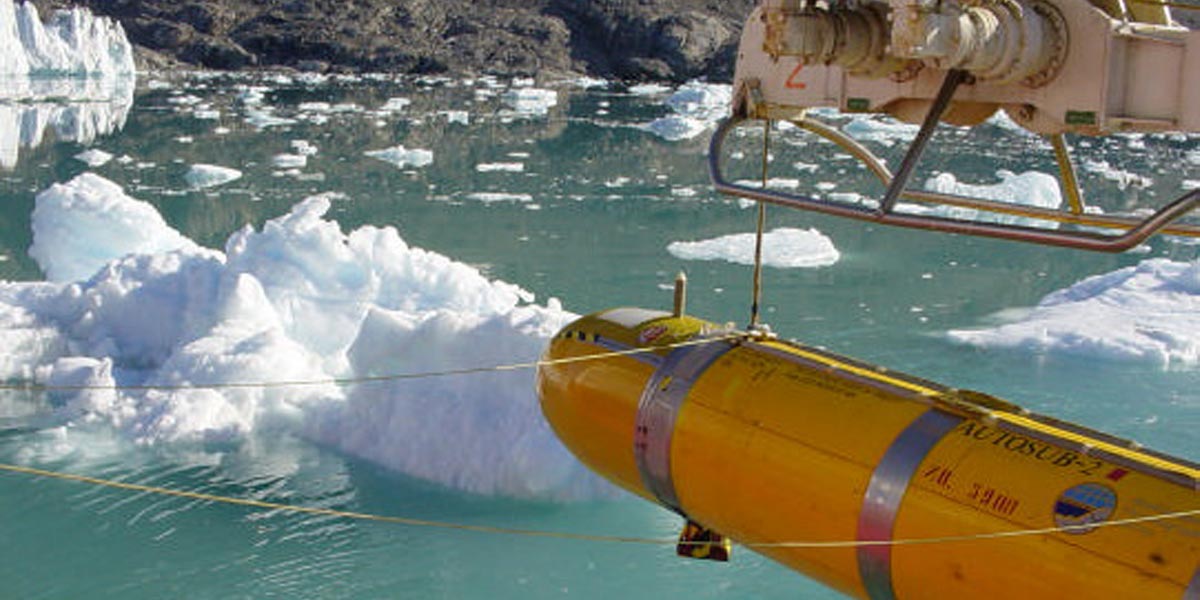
<point>29,386</point>
<point>565,535</point>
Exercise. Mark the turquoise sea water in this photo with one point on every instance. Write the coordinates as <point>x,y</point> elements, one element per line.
<point>605,198</point>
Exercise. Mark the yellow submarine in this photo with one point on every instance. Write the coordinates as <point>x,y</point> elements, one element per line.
<point>880,484</point>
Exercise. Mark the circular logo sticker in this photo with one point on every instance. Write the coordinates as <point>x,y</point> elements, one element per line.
<point>1080,508</point>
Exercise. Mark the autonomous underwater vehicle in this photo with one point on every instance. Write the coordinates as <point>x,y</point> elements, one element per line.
<point>880,484</point>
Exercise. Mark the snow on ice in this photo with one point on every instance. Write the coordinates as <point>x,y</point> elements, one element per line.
<point>1149,312</point>
<point>298,299</point>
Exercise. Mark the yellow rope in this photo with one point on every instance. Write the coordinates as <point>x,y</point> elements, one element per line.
<point>340,381</point>
<point>563,535</point>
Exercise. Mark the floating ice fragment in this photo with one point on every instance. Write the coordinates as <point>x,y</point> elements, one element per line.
<point>676,128</point>
<point>782,248</point>
<point>303,147</point>
<point>695,107</point>
<point>395,104</point>
<point>490,197</point>
<point>531,101</point>
<point>289,161</point>
<point>402,157</point>
<point>876,129</point>
<point>201,176</point>
<point>648,89</point>
<point>508,167</point>
<point>1147,313</point>
<point>94,157</point>
<point>1031,188</point>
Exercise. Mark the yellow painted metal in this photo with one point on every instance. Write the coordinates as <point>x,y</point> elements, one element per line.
<point>778,442</point>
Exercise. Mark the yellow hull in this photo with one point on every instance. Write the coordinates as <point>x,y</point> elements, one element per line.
<point>767,442</point>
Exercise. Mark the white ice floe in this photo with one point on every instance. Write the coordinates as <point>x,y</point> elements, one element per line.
<point>395,104</point>
<point>200,176</point>
<point>529,100</point>
<point>507,167</point>
<point>298,299</point>
<point>883,130</point>
<point>490,197</point>
<point>289,161</point>
<point>303,147</point>
<point>674,128</point>
<point>94,157</point>
<point>1121,177</point>
<point>71,43</point>
<point>402,157</point>
<point>648,89</point>
<point>1031,188</point>
<point>460,117</point>
<point>785,248</point>
<point>695,107</point>
<point>263,118</point>
<point>1149,312</point>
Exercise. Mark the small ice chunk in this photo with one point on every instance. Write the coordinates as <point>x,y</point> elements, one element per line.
<point>289,161</point>
<point>674,128</point>
<point>529,100</point>
<point>460,117</point>
<point>395,104</point>
<point>648,89</point>
<point>490,197</point>
<point>94,157</point>
<point>402,157</point>
<point>784,248</point>
<point>201,176</point>
<point>876,129</point>
<point>303,147</point>
<point>508,167</point>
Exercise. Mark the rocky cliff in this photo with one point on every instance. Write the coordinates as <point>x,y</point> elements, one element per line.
<point>627,39</point>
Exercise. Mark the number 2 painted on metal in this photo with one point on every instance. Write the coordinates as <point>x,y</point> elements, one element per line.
<point>791,80</point>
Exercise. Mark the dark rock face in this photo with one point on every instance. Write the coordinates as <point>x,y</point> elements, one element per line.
<point>628,39</point>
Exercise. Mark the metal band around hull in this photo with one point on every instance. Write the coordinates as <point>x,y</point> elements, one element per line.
<point>886,490</point>
<point>658,408</point>
<point>1193,589</point>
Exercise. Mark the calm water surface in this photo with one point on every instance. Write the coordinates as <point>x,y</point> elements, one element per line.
<point>604,198</point>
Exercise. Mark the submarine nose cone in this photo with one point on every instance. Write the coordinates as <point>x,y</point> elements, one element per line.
<point>592,379</point>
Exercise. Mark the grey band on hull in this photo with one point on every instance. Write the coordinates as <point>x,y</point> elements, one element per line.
<point>1193,589</point>
<point>886,490</point>
<point>658,408</point>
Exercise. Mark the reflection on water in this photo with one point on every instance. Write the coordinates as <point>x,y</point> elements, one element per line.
<point>32,111</point>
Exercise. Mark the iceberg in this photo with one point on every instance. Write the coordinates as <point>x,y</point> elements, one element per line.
<point>1149,312</point>
<point>298,300</point>
<point>784,248</point>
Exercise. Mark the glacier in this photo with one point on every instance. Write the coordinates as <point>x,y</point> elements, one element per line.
<point>73,75</point>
